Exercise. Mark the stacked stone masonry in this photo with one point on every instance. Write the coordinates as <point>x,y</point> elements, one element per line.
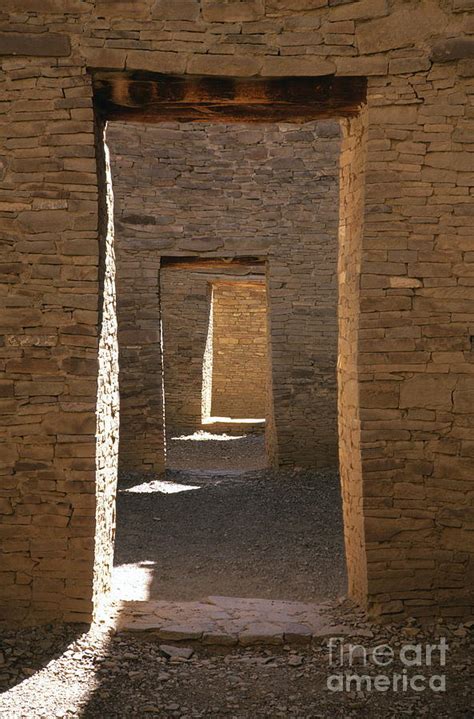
<point>239,351</point>
<point>406,385</point>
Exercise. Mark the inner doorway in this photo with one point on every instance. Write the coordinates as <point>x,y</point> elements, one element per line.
<point>214,337</point>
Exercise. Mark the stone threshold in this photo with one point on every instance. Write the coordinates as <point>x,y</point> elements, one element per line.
<point>227,621</point>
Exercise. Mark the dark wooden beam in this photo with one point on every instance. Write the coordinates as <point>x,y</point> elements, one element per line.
<point>150,97</point>
<point>209,263</point>
<point>254,281</point>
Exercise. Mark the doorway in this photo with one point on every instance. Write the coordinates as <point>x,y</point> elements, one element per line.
<point>296,272</point>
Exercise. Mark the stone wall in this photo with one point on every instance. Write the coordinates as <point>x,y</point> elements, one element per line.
<point>108,404</point>
<point>239,364</point>
<point>351,208</point>
<point>186,312</point>
<point>237,190</point>
<point>412,389</point>
<point>141,398</point>
<point>415,341</point>
<point>49,330</point>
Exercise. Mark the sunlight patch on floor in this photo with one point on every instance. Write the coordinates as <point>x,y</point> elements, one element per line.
<point>132,582</point>
<point>159,485</point>
<point>202,436</point>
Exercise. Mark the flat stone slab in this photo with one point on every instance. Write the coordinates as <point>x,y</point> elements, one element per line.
<point>227,621</point>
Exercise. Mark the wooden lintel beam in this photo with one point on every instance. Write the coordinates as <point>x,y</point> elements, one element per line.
<point>149,97</point>
<point>209,263</point>
<point>257,281</point>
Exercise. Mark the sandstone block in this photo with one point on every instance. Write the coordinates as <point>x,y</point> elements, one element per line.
<point>459,516</point>
<point>294,39</point>
<point>57,7</point>
<point>430,391</point>
<point>393,115</point>
<point>178,632</point>
<point>458,539</point>
<point>298,66</point>
<point>407,282</point>
<point>33,366</point>
<point>46,220</point>
<point>450,468</point>
<point>232,10</point>
<point>466,68</point>
<point>78,366</point>
<point>405,26</point>
<point>8,455</point>
<point>201,244</point>
<point>401,65</point>
<point>5,508</point>
<point>176,10</point>
<point>363,10</point>
<point>219,638</point>
<point>32,340</point>
<point>455,48</point>
<point>46,44</point>
<point>79,248</point>
<point>259,633</point>
<point>409,490</point>
<point>104,57</point>
<point>379,394</point>
<point>172,62</point>
<point>138,337</point>
<point>464,396</point>
<point>123,8</point>
<point>457,161</point>
<point>13,206</point>
<point>19,317</point>
<point>236,65</point>
<point>70,423</point>
<point>295,5</point>
<point>361,65</point>
<point>382,529</point>
<point>6,388</point>
<point>136,219</point>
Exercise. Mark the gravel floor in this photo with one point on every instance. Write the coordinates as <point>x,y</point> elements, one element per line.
<point>204,450</point>
<point>233,532</point>
<point>99,675</point>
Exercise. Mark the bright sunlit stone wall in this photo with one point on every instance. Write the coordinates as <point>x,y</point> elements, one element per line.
<point>239,366</point>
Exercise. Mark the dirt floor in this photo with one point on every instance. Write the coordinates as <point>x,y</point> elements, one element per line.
<point>63,672</point>
<point>221,525</point>
<point>205,450</point>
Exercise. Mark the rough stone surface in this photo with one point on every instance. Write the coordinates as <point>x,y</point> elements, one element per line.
<point>96,673</point>
<point>47,44</point>
<point>239,352</point>
<point>231,620</point>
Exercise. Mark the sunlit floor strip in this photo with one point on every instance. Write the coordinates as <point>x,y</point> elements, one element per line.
<point>202,436</point>
<point>159,485</point>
